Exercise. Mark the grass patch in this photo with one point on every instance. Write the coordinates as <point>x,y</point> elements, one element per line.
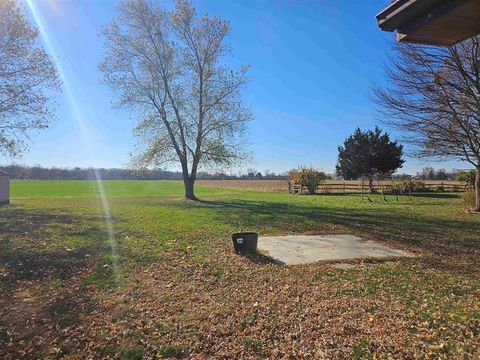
<point>361,350</point>
<point>171,351</point>
<point>64,349</point>
<point>89,188</point>
<point>250,343</point>
<point>125,353</point>
<point>102,276</point>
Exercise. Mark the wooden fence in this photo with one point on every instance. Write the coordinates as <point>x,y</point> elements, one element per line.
<point>359,187</point>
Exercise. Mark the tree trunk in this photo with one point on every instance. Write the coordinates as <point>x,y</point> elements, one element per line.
<point>189,188</point>
<point>370,184</point>
<point>477,190</point>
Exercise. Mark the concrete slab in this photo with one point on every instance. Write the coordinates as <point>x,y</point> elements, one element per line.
<point>303,249</point>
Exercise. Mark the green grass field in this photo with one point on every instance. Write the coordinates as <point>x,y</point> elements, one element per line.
<point>169,286</point>
<point>89,188</point>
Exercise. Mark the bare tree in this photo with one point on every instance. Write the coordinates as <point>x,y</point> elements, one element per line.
<point>433,94</point>
<point>167,67</point>
<point>27,76</point>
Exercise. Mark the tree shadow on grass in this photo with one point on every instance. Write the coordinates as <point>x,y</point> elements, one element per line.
<point>437,195</point>
<point>431,235</point>
<point>42,282</point>
<point>33,243</point>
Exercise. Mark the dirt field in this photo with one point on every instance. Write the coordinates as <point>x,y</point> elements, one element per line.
<point>261,185</point>
<point>282,185</point>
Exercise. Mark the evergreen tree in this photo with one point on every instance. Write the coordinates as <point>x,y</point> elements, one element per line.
<point>368,154</point>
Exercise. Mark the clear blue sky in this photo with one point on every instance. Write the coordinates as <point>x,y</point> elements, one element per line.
<point>313,65</point>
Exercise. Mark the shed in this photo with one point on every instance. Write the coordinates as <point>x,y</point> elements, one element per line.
<point>4,188</point>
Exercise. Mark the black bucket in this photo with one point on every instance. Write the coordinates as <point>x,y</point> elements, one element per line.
<point>244,243</point>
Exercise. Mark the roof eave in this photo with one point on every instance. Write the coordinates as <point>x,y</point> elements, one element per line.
<point>400,12</point>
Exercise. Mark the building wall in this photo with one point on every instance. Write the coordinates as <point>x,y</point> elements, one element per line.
<point>4,189</point>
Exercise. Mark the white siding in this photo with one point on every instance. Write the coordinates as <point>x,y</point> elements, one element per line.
<point>4,191</point>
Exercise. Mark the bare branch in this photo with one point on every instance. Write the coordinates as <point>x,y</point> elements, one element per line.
<point>433,96</point>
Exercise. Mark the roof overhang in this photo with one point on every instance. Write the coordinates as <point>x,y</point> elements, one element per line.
<point>435,22</point>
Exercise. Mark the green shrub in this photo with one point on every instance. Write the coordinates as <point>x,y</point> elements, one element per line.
<point>407,186</point>
<point>469,198</point>
<point>466,176</point>
<point>308,177</point>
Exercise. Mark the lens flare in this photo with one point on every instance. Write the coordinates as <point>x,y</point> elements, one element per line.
<point>85,135</point>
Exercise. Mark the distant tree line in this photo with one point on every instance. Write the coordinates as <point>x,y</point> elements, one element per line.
<point>58,173</point>
<point>37,172</point>
<point>22,172</point>
<point>430,173</point>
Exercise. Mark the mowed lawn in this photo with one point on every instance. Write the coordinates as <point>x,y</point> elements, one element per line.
<point>168,285</point>
<point>89,188</point>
